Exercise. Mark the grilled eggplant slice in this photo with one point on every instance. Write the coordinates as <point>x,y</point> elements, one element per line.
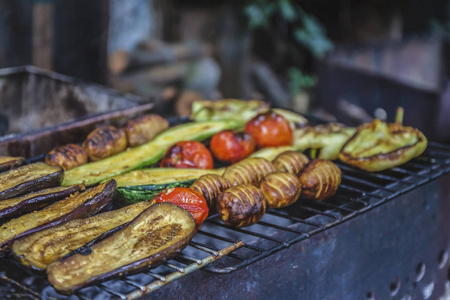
<point>143,129</point>
<point>75,206</point>
<point>291,162</point>
<point>41,248</point>
<point>280,189</point>
<point>248,171</point>
<point>29,178</point>
<point>378,146</point>
<point>320,179</point>
<point>9,162</point>
<point>156,235</point>
<point>104,142</point>
<point>36,200</point>
<point>210,186</point>
<point>241,206</point>
<point>68,156</point>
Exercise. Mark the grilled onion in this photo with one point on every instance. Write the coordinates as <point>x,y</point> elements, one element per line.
<point>104,142</point>
<point>210,186</point>
<point>249,170</point>
<point>143,129</point>
<point>291,162</point>
<point>241,206</point>
<point>67,156</point>
<point>280,189</point>
<point>320,179</point>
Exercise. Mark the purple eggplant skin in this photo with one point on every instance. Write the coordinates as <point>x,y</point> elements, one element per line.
<point>9,162</point>
<point>29,178</point>
<point>149,244</point>
<point>101,197</point>
<point>37,200</point>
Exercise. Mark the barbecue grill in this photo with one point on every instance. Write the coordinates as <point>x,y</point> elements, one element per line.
<point>383,235</point>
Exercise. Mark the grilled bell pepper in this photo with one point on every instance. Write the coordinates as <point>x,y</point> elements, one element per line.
<point>328,139</point>
<point>378,146</point>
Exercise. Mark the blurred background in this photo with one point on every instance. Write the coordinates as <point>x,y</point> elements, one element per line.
<point>344,60</point>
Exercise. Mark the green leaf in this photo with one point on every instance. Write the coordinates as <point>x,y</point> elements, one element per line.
<point>287,10</point>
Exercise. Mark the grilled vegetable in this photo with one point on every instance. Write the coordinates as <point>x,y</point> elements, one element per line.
<point>143,129</point>
<point>156,235</point>
<point>270,130</point>
<point>231,146</point>
<point>239,110</point>
<point>270,153</point>
<point>291,162</point>
<point>67,156</point>
<point>377,146</point>
<point>320,179</point>
<point>187,154</point>
<point>36,200</point>
<point>9,162</point>
<point>227,109</point>
<point>190,200</point>
<point>75,206</point>
<point>249,170</point>
<point>210,186</point>
<point>145,154</point>
<point>41,248</point>
<point>328,139</point>
<point>29,178</point>
<point>104,142</point>
<point>161,176</point>
<point>280,189</point>
<point>241,206</point>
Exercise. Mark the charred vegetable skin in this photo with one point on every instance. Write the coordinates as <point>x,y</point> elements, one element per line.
<point>378,146</point>
<point>280,189</point>
<point>9,162</point>
<point>291,162</point>
<point>320,179</point>
<point>29,178</point>
<point>67,156</point>
<point>41,248</point>
<point>143,129</point>
<point>241,206</point>
<point>210,186</point>
<point>76,206</point>
<point>36,200</point>
<point>249,170</point>
<point>156,235</point>
<point>104,142</point>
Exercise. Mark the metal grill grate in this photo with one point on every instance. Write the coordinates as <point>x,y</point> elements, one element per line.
<point>220,249</point>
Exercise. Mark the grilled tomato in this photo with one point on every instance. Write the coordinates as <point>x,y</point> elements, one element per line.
<point>188,199</point>
<point>231,146</point>
<point>187,154</point>
<point>270,130</point>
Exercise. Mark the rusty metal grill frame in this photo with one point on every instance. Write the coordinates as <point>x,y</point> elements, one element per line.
<point>359,192</point>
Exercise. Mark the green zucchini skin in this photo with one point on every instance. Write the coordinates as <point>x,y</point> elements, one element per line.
<point>128,195</point>
<point>146,154</point>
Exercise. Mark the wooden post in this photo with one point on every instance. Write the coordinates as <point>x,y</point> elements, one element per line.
<point>43,34</point>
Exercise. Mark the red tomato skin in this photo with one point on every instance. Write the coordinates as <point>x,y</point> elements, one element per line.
<point>270,130</point>
<point>187,154</point>
<point>230,146</point>
<point>190,200</point>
